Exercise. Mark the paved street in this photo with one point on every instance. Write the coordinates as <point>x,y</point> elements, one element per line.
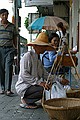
<point>10,109</point>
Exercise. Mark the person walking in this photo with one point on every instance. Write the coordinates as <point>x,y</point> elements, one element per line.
<point>61,31</point>
<point>8,42</point>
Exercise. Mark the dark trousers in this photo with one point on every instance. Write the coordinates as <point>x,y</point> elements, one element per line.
<point>33,94</point>
<point>6,67</point>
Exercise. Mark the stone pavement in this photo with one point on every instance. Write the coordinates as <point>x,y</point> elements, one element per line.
<point>10,109</point>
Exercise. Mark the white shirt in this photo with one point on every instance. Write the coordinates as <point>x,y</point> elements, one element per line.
<point>31,72</point>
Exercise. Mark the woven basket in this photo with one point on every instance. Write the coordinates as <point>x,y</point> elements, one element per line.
<point>62,108</point>
<point>73,94</point>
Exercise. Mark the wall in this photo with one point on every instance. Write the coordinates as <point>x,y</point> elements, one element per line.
<point>76,28</point>
<point>75,22</point>
<point>61,10</point>
<point>79,37</point>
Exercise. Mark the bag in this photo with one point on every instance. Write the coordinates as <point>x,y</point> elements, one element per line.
<point>57,91</point>
<point>66,61</point>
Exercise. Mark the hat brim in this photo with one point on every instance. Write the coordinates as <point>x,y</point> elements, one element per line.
<point>46,45</point>
<point>38,43</point>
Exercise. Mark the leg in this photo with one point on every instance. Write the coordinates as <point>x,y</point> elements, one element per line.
<point>2,78</point>
<point>8,68</point>
<point>33,94</point>
<point>2,69</point>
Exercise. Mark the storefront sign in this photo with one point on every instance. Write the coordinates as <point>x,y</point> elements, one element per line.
<point>38,2</point>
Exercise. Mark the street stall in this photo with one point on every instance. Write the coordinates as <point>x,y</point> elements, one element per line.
<point>59,107</point>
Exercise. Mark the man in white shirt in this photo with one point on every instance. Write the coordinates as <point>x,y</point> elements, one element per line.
<point>30,86</point>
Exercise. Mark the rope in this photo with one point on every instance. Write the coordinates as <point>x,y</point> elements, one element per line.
<point>74,65</point>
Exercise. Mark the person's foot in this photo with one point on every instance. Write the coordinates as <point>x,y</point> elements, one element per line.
<point>9,93</point>
<point>23,101</point>
<point>2,92</point>
<point>28,106</point>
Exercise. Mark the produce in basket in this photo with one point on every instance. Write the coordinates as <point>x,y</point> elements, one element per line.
<point>73,93</point>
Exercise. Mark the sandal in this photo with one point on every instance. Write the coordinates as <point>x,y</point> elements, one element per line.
<point>9,93</point>
<point>2,92</point>
<point>28,106</point>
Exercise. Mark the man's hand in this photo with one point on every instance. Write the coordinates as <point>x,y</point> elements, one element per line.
<point>64,82</point>
<point>48,86</point>
<point>45,85</point>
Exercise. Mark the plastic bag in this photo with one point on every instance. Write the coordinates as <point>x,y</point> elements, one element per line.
<point>57,91</point>
<point>67,88</point>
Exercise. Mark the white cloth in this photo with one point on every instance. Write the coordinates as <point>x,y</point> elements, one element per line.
<point>63,37</point>
<point>60,34</point>
<point>57,91</point>
<point>75,48</point>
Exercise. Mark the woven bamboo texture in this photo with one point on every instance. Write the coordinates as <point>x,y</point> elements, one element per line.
<point>62,108</point>
<point>73,94</point>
